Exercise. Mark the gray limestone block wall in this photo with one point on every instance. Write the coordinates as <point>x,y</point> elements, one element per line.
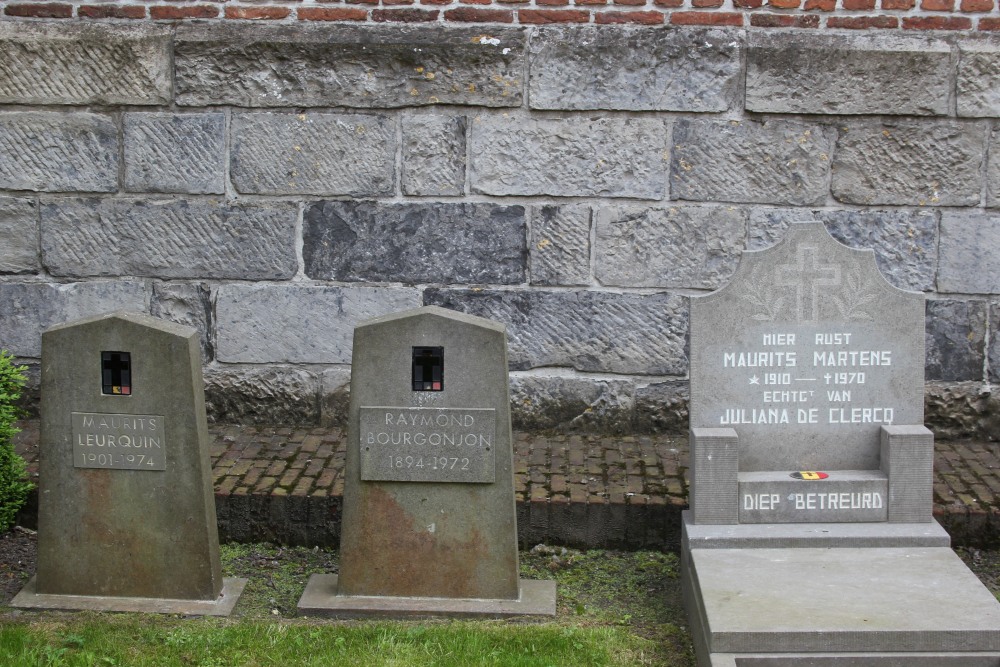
<point>273,185</point>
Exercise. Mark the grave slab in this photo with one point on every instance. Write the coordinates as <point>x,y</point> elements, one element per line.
<point>845,600</point>
<point>126,517</point>
<point>429,526</point>
<point>854,660</point>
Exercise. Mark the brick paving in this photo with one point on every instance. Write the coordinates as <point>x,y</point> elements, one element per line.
<point>285,484</point>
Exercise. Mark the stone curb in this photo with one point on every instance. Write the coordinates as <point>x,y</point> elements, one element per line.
<point>285,485</point>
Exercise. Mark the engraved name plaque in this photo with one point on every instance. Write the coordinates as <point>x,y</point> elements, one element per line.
<point>841,496</point>
<point>428,444</point>
<point>121,442</point>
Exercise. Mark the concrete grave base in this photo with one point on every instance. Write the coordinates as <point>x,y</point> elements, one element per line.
<point>870,600</point>
<point>538,598</point>
<point>817,535</point>
<point>818,607</point>
<point>232,588</point>
<point>855,660</point>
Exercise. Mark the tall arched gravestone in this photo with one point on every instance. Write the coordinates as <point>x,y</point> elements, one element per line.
<point>810,532</point>
<point>429,524</point>
<point>126,518</point>
<point>809,355</point>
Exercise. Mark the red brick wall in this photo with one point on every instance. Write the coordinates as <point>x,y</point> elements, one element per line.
<point>902,15</point>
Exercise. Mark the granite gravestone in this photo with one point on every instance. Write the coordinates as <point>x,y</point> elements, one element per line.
<point>810,538</point>
<point>126,518</point>
<point>429,525</point>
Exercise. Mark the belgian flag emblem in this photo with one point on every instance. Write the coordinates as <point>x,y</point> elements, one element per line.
<point>809,475</point>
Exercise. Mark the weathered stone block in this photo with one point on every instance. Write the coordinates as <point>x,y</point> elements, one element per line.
<point>415,243</point>
<point>316,154</point>
<point>565,404</point>
<point>978,83</point>
<point>189,304</point>
<point>19,231</point>
<point>27,309</point>
<point>905,242</point>
<point>662,407</point>
<point>590,331</point>
<point>335,396</point>
<point>560,245</point>
<point>271,395</point>
<point>924,163</point>
<point>994,351</point>
<point>58,152</point>
<point>970,250</point>
<point>45,63</point>
<point>361,67</point>
<point>680,246</point>
<point>434,155</point>
<point>175,153</point>
<point>773,162</point>
<point>956,410</point>
<point>264,323</point>
<point>607,157</point>
<point>169,239</point>
<point>634,69</point>
<point>993,169</point>
<point>30,396</point>
<point>847,74</point>
<point>956,338</point>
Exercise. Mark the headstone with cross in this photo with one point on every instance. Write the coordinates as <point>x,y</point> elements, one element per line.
<point>126,518</point>
<point>808,354</point>
<point>811,470</point>
<point>429,525</point>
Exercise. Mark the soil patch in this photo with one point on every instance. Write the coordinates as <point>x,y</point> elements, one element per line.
<point>18,554</point>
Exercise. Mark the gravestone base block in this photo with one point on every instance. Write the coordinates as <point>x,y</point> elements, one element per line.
<point>817,535</point>
<point>537,598</point>
<point>232,588</point>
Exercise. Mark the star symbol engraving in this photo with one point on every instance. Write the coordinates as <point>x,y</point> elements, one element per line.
<point>755,380</point>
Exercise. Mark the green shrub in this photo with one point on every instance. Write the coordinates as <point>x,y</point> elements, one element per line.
<point>14,485</point>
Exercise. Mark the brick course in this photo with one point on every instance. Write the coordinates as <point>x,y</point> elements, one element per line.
<point>795,14</point>
<point>584,491</point>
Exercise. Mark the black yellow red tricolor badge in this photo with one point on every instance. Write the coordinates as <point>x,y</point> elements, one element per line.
<point>809,474</point>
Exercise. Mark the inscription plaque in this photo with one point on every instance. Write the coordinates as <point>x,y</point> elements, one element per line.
<point>403,444</point>
<point>842,496</point>
<point>117,441</point>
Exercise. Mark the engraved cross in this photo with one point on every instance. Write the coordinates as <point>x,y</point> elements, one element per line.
<point>806,275</point>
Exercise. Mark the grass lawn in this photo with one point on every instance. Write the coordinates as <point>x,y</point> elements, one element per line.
<point>614,608</point>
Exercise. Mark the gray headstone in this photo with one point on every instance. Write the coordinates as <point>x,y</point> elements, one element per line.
<point>807,353</point>
<point>126,506</point>
<point>429,508</point>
